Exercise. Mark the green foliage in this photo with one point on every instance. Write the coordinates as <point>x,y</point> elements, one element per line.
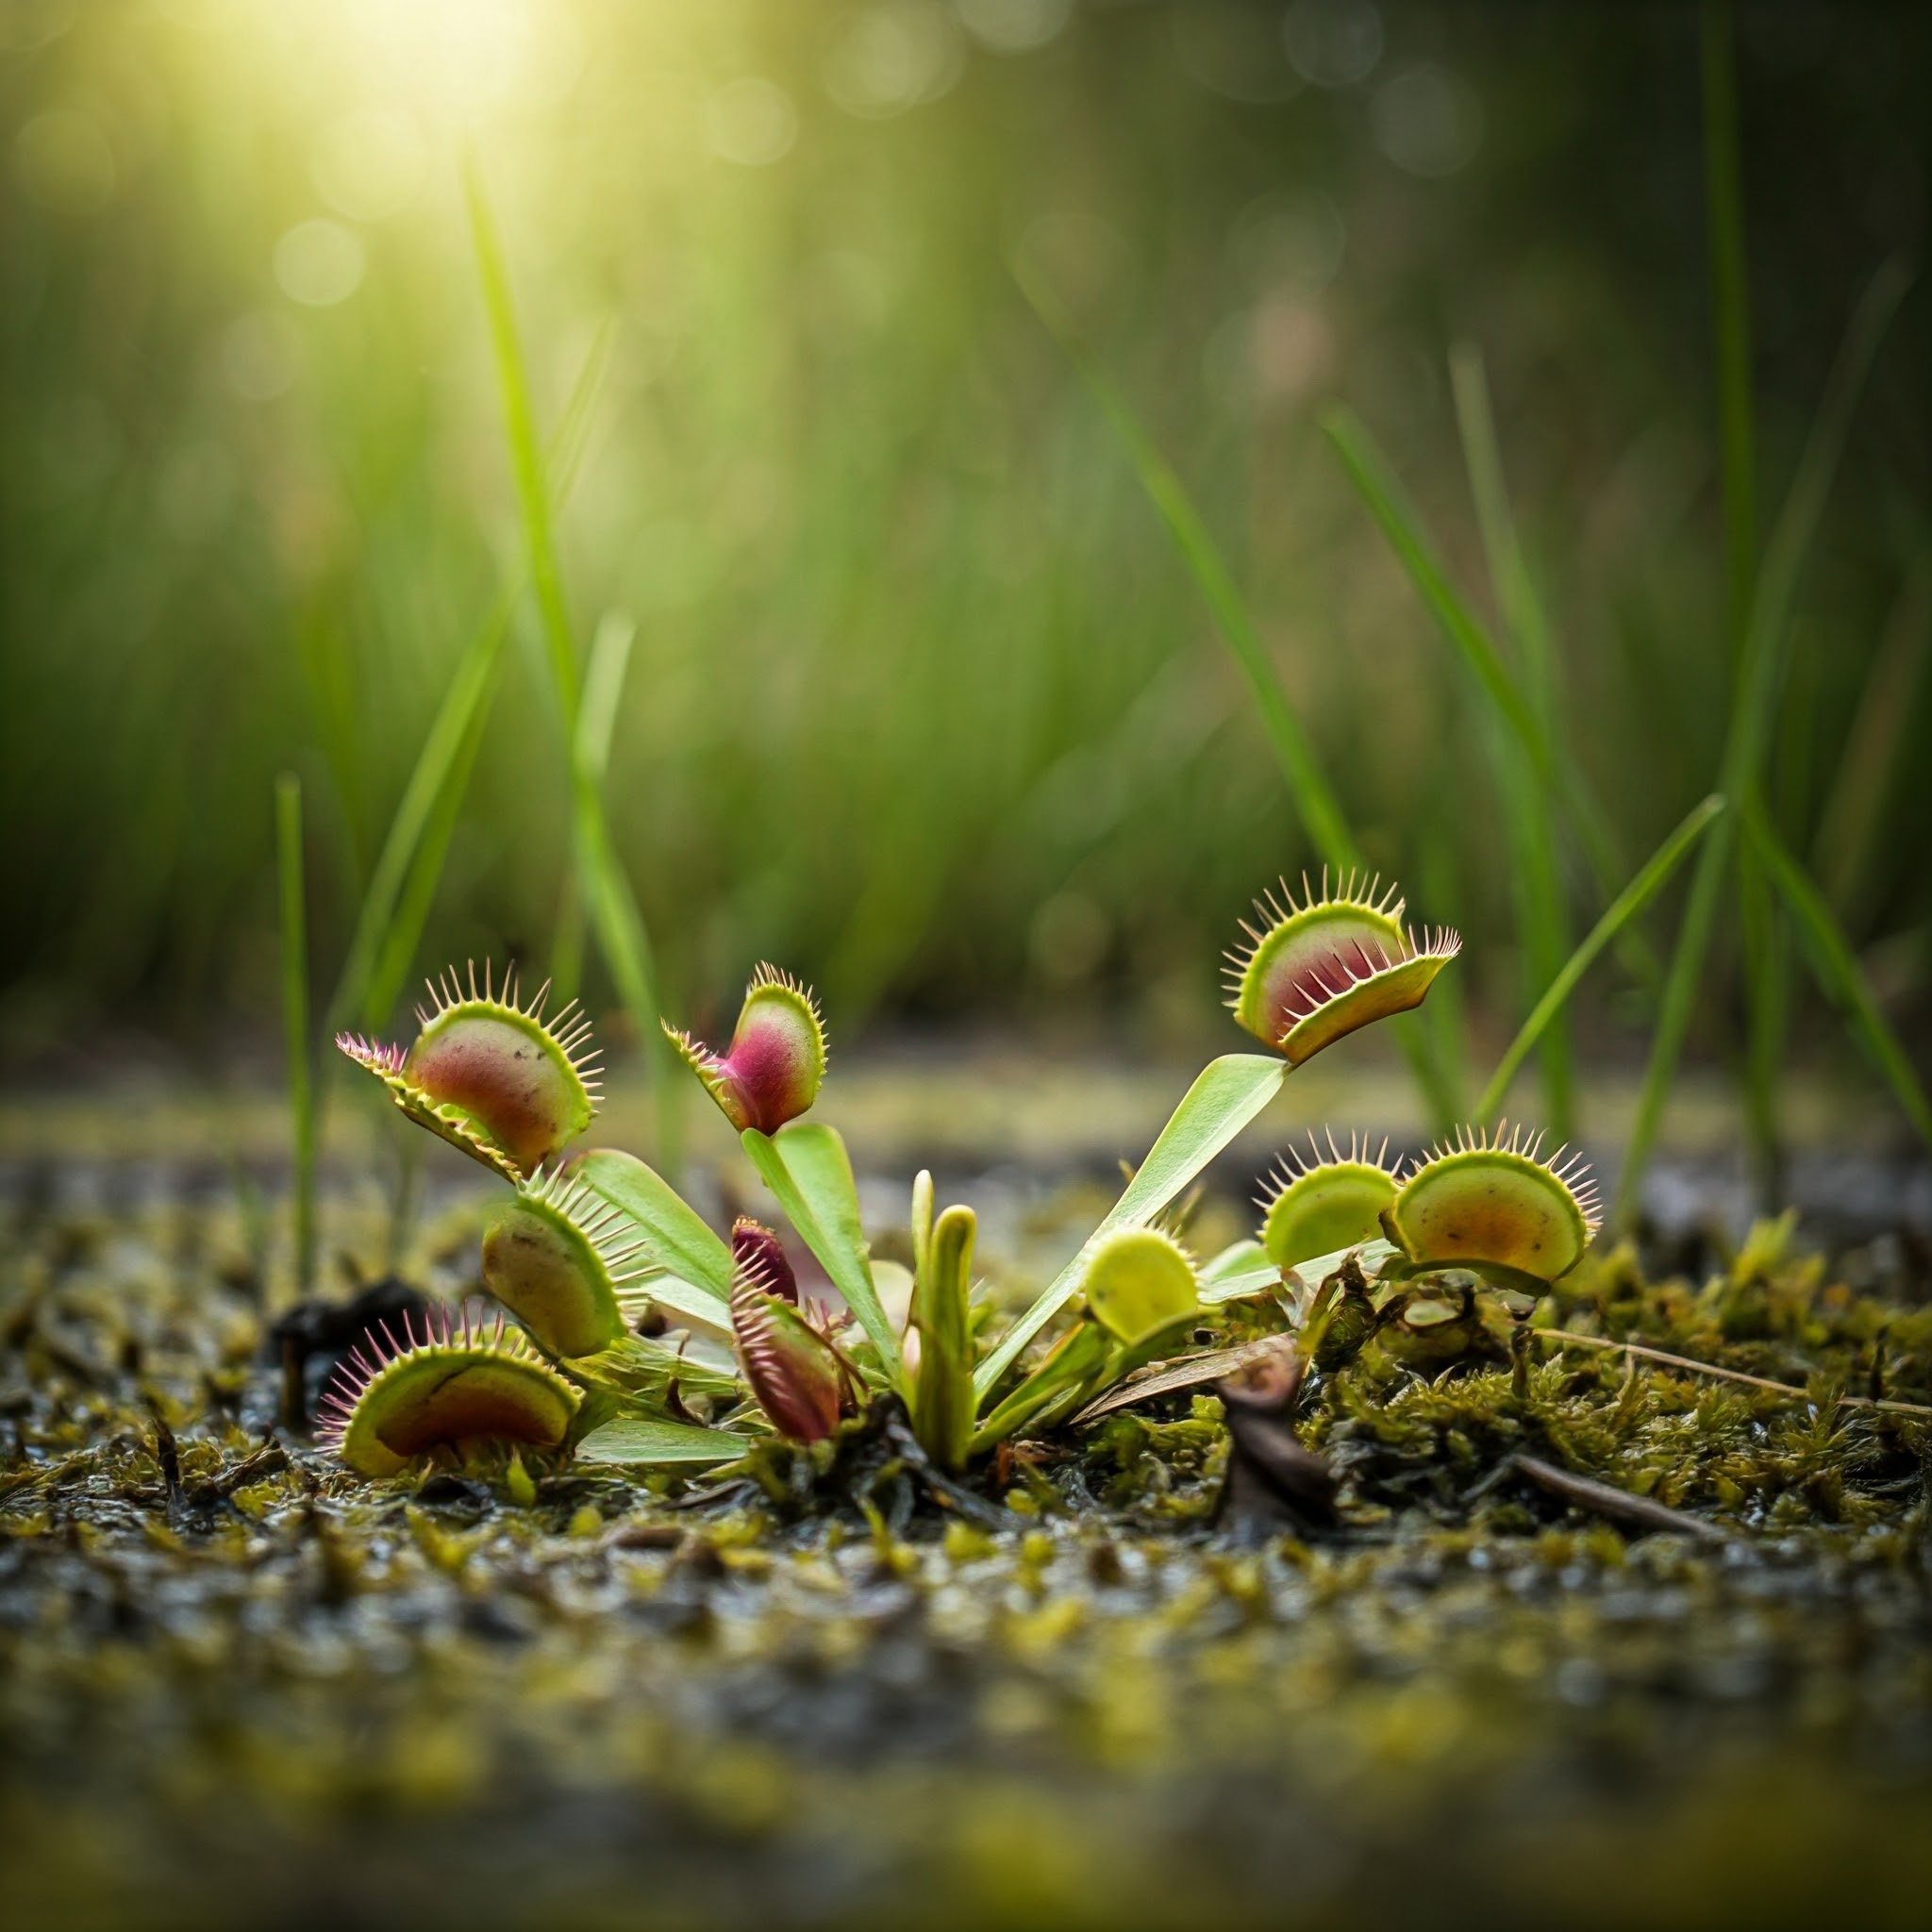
<point>807,1167</point>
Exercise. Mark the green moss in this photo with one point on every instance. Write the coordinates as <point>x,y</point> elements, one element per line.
<point>811,1693</point>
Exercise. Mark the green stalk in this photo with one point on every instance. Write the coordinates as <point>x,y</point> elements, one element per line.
<point>1560,777</point>
<point>295,947</point>
<point>1753,703</point>
<point>1723,196</point>
<point>1537,871</point>
<point>1649,881</point>
<point>1760,949</point>
<point>1314,799</point>
<point>1878,744</point>
<point>614,914</point>
<point>1837,968</point>
<point>401,889</point>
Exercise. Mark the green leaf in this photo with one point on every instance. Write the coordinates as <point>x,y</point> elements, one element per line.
<point>1624,907</point>
<point>1838,969</point>
<point>697,1263</point>
<point>807,1167</point>
<point>633,1440</point>
<point>1227,1095</point>
<point>613,908</point>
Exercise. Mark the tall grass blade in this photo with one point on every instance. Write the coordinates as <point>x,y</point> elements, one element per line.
<point>1876,744</point>
<point>1837,969</point>
<point>365,991</point>
<point>1536,872</point>
<point>1648,882</point>
<point>1561,778</point>
<point>402,887</point>
<point>1762,952</point>
<point>610,647</point>
<point>596,723</point>
<point>1228,1094</point>
<point>614,914</point>
<point>1315,802</point>
<point>402,934</point>
<point>296,1043</point>
<point>1723,196</point>
<point>1754,701</point>
<point>519,433</point>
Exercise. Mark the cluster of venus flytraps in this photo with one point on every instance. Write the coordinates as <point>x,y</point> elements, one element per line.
<point>631,1331</point>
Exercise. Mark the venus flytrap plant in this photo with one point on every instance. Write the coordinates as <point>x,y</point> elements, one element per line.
<point>582,1252</point>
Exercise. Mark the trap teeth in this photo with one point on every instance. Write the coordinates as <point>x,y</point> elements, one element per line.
<point>488,1074</point>
<point>1318,967</point>
<point>777,1059</point>
<point>1491,1203</point>
<point>454,1386</point>
<point>1322,1203</point>
<point>566,1263</point>
<point>795,1374</point>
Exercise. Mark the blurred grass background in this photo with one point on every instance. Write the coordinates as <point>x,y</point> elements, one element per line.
<point>921,701</point>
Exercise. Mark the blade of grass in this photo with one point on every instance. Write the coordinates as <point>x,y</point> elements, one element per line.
<point>1648,882</point>
<point>1876,746</point>
<point>1536,877</point>
<point>1837,968</point>
<point>402,936</point>
<point>1315,802</point>
<point>294,948</point>
<point>402,887</point>
<point>520,434</point>
<point>596,722</point>
<point>1314,799</point>
<point>615,918</point>
<point>365,991</point>
<point>1561,778</point>
<point>1754,701</point>
<point>1761,950</point>
<point>1730,305</point>
<point>611,647</point>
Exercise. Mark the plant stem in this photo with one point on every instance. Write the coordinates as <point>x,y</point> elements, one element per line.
<point>295,947</point>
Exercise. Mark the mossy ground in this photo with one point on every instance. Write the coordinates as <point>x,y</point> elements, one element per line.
<point>256,1689</point>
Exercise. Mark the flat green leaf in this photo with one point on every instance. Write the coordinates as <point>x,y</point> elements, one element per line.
<point>696,1262</point>
<point>807,1167</point>
<point>1227,1095</point>
<point>632,1441</point>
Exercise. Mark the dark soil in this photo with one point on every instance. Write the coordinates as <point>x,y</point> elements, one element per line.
<point>239,1687</point>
